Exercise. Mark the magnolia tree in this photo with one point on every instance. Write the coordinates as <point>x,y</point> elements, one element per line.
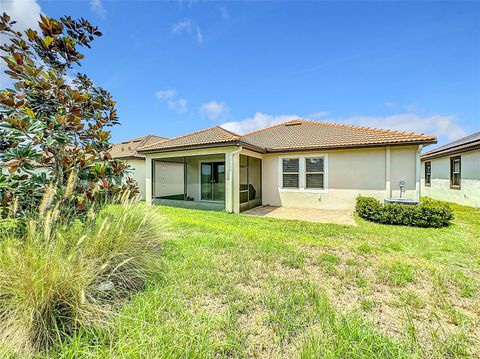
<point>54,125</point>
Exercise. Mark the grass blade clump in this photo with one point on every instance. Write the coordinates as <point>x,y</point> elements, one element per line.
<point>56,278</point>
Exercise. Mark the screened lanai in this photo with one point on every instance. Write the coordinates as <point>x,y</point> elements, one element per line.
<point>192,182</point>
<point>199,182</point>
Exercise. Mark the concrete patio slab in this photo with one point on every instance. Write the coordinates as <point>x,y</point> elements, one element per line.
<point>304,214</point>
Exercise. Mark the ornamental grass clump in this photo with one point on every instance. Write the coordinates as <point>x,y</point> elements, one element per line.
<point>56,278</point>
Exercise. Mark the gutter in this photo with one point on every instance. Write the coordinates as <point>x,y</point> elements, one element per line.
<point>206,145</point>
<point>348,147</point>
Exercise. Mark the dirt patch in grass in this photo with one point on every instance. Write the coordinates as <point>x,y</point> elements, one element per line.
<point>213,305</point>
<point>260,338</point>
<point>398,297</point>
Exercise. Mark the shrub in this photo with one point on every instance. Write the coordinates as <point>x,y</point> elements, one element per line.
<point>429,213</point>
<point>56,278</point>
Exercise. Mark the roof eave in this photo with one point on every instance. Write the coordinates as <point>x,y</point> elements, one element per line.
<point>345,147</point>
<point>451,151</point>
<point>189,147</point>
<point>132,157</point>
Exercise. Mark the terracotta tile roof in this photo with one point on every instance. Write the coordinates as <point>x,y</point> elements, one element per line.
<point>306,134</point>
<point>128,149</point>
<point>209,136</point>
<point>467,143</point>
<point>295,135</point>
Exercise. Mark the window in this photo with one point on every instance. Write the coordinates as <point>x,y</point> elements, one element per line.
<point>290,172</point>
<point>314,173</point>
<point>455,172</point>
<point>428,173</point>
<point>303,173</point>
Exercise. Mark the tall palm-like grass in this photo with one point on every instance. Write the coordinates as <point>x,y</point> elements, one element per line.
<point>58,274</point>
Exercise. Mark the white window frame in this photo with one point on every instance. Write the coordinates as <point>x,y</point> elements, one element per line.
<point>302,178</point>
<point>291,173</point>
<point>323,173</point>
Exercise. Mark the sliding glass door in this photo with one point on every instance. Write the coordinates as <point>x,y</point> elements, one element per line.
<point>212,181</point>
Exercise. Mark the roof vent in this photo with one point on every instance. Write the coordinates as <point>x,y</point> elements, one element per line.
<point>293,123</point>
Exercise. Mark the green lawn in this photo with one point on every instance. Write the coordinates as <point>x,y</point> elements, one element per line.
<point>237,286</point>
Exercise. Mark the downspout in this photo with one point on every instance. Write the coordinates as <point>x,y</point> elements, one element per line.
<point>418,170</point>
<point>388,188</point>
<point>230,170</point>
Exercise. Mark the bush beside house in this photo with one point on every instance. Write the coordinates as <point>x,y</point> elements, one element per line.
<point>429,213</point>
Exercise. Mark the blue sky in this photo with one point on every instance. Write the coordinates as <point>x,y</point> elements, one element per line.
<point>179,66</point>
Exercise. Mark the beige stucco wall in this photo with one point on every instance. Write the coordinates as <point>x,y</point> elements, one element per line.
<point>469,192</point>
<point>350,173</point>
<point>137,170</point>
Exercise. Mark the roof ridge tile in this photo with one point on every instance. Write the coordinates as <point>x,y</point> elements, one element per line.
<point>270,127</point>
<point>341,125</point>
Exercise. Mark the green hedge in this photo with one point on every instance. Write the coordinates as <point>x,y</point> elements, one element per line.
<point>429,213</point>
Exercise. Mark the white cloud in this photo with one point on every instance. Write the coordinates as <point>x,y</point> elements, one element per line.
<point>188,26</point>
<point>179,105</point>
<point>214,110</point>
<point>259,120</point>
<point>69,79</point>
<point>445,126</point>
<point>182,26</point>
<point>165,94</point>
<point>97,6</point>
<point>439,125</point>
<point>389,104</point>
<point>318,114</point>
<point>27,14</point>
<point>169,96</point>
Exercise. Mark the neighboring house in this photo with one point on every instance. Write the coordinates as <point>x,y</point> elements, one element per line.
<point>300,163</point>
<point>452,172</point>
<point>127,151</point>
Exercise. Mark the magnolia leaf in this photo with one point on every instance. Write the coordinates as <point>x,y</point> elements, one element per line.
<point>31,34</point>
<point>16,123</point>
<point>29,112</point>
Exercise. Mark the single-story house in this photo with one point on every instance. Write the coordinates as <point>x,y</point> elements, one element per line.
<point>452,172</point>
<point>127,151</point>
<point>299,163</point>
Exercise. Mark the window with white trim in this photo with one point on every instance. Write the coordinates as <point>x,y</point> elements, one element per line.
<point>455,172</point>
<point>290,172</point>
<point>303,173</point>
<point>314,173</point>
